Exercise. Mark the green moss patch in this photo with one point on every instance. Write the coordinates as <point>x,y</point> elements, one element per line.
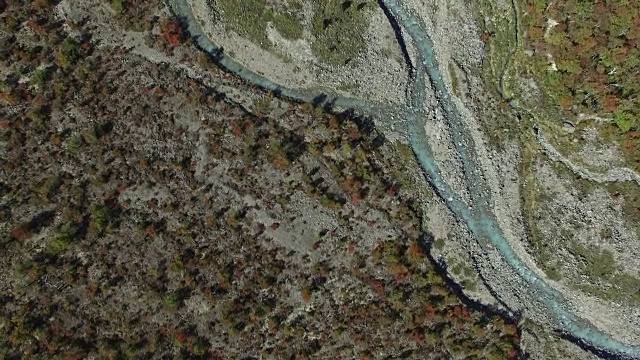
<point>250,18</point>
<point>339,28</point>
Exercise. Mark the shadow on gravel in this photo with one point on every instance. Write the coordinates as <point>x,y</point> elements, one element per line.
<point>367,125</point>
<point>601,353</point>
<point>398,33</point>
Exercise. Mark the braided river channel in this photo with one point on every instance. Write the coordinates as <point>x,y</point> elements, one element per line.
<point>476,215</point>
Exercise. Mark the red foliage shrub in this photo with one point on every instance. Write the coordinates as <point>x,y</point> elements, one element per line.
<point>172,32</point>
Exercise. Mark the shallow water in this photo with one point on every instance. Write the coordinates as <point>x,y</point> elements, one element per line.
<point>480,221</point>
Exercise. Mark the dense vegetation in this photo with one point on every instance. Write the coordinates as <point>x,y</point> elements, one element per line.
<point>337,27</point>
<point>142,214</point>
<point>250,18</point>
<point>587,54</point>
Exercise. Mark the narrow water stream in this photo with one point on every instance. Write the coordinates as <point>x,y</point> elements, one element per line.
<point>480,220</point>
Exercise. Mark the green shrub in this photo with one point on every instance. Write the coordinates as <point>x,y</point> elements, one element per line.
<point>624,120</point>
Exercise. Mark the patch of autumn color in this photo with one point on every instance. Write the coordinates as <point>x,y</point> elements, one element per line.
<point>355,198</point>
<point>465,314</point>
<point>347,184</point>
<point>486,36</point>
<point>399,271</point>
<point>512,353</point>
<point>85,45</point>
<point>171,32</point>
<point>430,311</point>
<point>7,98</point>
<point>72,357</point>
<point>461,312</point>
<point>328,148</point>
<point>416,336</point>
<point>391,191</point>
<point>159,91</point>
<point>414,253</point>
<point>305,294</point>
<point>351,247</point>
<point>38,29</point>
<point>181,337</point>
<point>333,122</point>
<point>56,140</point>
<point>352,132</point>
<point>610,102</point>
<point>236,130</point>
<point>90,289</point>
<point>378,287</point>
<point>33,273</point>
<point>588,44</point>
<point>565,101</point>
<point>280,162</point>
<point>536,32</point>
<point>39,4</point>
<point>629,143</point>
<point>19,233</point>
<point>511,330</point>
<point>531,8</point>
<point>150,231</point>
<point>459,316</point>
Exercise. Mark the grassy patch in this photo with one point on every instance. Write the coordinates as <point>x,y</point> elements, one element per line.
<point>39,77</point>
<point>455,85</point>
<point>598,264</point>
<point>621,287</point>
<point>338,27</point>
<point>99,217</point>
<point>532,198</point>
<point>606,279</point>
<point>404,172</point>
<point>250,17</point>
<point>631,195</point>
<point>61,239</point>
<point>73,143</point>
<point>624,120</point>
<point>117,5</point>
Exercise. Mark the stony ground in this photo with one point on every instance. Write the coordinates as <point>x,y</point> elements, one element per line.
<point>578,189</point>
<point>350,49</point>
<point>153,206</point>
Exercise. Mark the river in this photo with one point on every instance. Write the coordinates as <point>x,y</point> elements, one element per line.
<point>480,220</point>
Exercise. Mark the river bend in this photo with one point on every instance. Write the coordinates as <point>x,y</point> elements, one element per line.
<point>477,215</point>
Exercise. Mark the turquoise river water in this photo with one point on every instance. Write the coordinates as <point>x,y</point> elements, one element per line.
<point>477,214</point>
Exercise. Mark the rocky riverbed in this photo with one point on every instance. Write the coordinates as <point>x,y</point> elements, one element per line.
<point>498,168</point>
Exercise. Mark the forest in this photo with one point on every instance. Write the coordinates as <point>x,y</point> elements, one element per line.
<point>587,54</point>
<point>146,214</point>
